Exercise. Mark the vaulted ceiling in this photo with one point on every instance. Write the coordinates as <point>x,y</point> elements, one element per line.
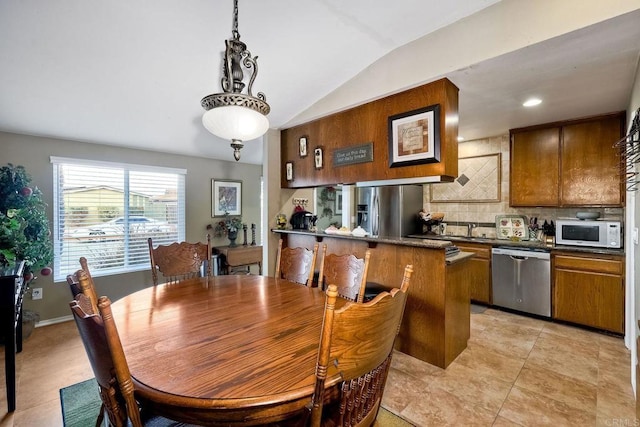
<point>132,73</point>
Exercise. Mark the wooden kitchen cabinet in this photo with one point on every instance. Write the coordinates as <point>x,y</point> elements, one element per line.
<point>589,290</point>
<point>478,272</point>
<point>535,168</point>
<point>571,163</point>
<point>590,164</point>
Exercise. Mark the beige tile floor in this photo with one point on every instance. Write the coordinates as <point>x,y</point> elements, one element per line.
<point>515,371</point>
<point>518,371</point>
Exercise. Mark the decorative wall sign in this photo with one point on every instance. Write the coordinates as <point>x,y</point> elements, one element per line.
<point>318,159</point>
<point>289,171</point>
<point>414,137</point>
<point>226,197</point>
<point>351,155</point>
<point>303,146</point>
<point>478,181</point>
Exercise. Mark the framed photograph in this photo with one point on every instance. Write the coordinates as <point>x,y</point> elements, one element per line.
<point>318,159</point>
<point>414,137</point>
<point>338,207</point>
<point>303,146</point>
<point>289,171</point>
<point>226,197</point>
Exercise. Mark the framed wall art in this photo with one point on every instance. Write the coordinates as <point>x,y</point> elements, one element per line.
<point>318,158</point>
<point>303,146</point>
<point>414,137</point>
<point>338,208</point>
<point>226,197</point>
<point>289,171</point>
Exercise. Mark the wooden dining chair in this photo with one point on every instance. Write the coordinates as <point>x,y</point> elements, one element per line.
<point>179,261</point>
<point>103,347</point>
<point>347,272</point>
<point>296,264</point>
<point>85,286</point>
<point>357,342</point>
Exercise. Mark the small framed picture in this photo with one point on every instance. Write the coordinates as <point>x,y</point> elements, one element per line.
<point>226,197</point>
<point>289,171</point>
<point>319,161</point>
<point>303,146</point>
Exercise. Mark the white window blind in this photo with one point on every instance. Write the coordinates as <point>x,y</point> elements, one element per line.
<point>105,212</point>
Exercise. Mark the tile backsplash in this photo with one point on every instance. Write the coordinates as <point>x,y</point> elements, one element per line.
<point>485,212</point>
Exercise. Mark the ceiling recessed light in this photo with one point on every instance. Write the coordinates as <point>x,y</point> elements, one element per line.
<point>460,138</point>
<point>532,102</point>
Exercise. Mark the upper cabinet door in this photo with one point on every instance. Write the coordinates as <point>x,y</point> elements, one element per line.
<point>590,164</point>
<point>570,163</point>
<point>534,174</point>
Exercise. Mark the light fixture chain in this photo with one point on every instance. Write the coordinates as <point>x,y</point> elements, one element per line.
<point>236,34</point>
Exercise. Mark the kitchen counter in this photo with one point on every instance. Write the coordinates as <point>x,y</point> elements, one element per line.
<point>436,323</point>
<point>434,241</point>
<point>424,242</point>
<point>524,244</point>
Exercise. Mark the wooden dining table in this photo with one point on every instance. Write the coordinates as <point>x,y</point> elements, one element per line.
<point>223,350</point>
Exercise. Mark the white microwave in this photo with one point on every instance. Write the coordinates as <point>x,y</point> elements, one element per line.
<point>598,233</point>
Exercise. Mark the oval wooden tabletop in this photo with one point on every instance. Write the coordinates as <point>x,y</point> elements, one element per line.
<point>222,342</point>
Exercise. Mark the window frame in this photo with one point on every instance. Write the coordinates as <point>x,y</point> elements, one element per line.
<point>61,272</point>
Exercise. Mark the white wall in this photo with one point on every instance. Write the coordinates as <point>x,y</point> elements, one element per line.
<point>632,254</point>
<point>496,30</point>
<point>34,152</point>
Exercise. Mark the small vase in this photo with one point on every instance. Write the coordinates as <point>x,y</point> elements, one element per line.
<point>232,235</point>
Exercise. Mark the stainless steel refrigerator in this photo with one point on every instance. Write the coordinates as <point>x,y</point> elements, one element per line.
<point>389,211</point>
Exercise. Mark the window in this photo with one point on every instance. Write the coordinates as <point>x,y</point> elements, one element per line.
<point>105,212</point>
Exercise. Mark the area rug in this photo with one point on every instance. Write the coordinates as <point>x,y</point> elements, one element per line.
<point>80,404</point>
<point>387,418</point>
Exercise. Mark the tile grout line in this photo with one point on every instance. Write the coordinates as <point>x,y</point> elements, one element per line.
<point>513,384</point>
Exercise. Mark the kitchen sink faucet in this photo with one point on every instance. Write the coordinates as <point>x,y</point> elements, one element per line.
<point>470,227</point>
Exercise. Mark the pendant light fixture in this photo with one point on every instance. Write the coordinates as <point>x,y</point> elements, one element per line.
<point>234,115</point>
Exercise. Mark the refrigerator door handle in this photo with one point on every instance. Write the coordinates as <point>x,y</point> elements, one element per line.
<point>375,214</point>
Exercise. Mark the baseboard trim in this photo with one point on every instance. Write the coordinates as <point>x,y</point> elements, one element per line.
<point>54,321</point>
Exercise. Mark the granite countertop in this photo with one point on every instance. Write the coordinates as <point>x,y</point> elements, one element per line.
<point>520,244</point>
<point>440,242</point>
<point>405,241</point>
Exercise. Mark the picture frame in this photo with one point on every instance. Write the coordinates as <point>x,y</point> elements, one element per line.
<point>338,206</point>
<point>318,158</point>
<point>414,137</point>
<point>226,197</point>
<point>289,171</point>
<point>303,146</point>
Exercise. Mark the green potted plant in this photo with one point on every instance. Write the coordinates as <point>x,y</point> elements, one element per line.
<point>24,227</point>
<point>326,201</point>
<point>229,227</point>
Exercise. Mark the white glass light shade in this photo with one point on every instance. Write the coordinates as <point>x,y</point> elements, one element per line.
<point>234,122</point>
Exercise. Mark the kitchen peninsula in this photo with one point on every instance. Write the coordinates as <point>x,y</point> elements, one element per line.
<point>435,327</point>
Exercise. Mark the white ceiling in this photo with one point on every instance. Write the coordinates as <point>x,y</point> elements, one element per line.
<point>132,73</point>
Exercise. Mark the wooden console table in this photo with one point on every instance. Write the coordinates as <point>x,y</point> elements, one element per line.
<point>241,256</point>
<point>12,287</point>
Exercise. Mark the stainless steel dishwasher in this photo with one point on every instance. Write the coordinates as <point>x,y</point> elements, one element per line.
<point>521,279</point>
